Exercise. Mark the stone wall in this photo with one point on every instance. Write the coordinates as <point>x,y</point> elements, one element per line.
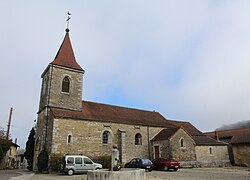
<point>87,138</point>
<point>187,151</point>
<point>44,94</point>
<point>124,174</point>
<point>71,100</point>
<point>171,148</point>
<point>44,125</point>
<point>241,154</point>
<point>208,156</point>
<point>51,90</point>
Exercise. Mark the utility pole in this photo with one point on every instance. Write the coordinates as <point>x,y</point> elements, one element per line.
<point>8,126</point>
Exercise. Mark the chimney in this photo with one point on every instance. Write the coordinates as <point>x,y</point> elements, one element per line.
<point>15,140</point>
<point>217,135</point>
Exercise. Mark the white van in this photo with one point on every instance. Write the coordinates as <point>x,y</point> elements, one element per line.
<point>79,164</point>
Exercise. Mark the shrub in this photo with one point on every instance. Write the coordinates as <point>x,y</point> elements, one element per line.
<point>56,161</point>
<point>104,160</point>
<point>117,167</point>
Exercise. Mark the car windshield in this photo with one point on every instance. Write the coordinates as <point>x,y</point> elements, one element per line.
<point>146,161</point>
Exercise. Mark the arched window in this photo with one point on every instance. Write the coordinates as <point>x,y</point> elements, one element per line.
<point>105,137</point>
<point>69,141</point>
<point>138,139</point>
<point>182,143</point>
<point>65,84</point>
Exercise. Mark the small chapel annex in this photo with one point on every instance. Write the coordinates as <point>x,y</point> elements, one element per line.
<point>66,124</point>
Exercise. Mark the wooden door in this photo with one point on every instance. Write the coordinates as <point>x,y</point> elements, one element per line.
<point>157,152</point>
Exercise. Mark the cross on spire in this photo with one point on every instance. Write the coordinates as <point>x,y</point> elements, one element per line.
<point>69,17</point>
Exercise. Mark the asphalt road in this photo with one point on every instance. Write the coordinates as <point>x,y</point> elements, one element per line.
<point>230,173</point>
<point>6,174</point>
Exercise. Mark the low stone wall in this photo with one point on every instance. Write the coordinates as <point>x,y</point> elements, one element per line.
<point>124,174</point>
<point>197,164</point>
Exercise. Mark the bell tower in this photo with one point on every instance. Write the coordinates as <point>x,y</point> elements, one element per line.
<point>62,80</point>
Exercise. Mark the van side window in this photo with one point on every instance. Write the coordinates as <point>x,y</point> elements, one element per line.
<point>87,161</point>
<point>70,160</point>
<point>78,160</point>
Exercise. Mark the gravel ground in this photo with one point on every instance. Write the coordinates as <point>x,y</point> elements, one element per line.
<point>232,173</point>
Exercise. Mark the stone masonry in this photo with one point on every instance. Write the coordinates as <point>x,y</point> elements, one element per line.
<point>87,138</point>
<point>208,156</point>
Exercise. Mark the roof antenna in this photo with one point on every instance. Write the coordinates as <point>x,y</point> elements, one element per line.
<point>69,17</point>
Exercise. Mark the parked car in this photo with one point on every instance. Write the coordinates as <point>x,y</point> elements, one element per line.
<point>165,164</point>
<point>142,163</point>
<point>78,164</point>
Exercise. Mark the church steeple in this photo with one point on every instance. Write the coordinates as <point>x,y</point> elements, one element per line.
<point>65,56</point>
<point>62,80</point>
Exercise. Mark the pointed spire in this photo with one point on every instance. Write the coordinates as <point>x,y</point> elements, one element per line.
<point>65,56</point>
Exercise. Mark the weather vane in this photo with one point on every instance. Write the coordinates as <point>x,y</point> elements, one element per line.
<point>69,17</point>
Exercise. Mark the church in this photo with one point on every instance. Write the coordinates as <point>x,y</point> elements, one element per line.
<point>67,124</point>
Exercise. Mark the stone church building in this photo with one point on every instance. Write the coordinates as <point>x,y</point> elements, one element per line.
<point>66,124</point>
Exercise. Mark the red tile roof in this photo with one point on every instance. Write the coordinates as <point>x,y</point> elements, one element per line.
<point>113,114</point>
<point>198,136</point>
<point>165,134</point>
<point>208,141</point>
<point>235,136</point>
<point>65,56</point>
<point>187,126</point>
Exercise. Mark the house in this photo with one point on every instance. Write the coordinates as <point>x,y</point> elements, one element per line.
<point>190,146</point>
<point>11,156</point>
<point>239,144</point>
<point>21,160</point>
<point>68,125</point>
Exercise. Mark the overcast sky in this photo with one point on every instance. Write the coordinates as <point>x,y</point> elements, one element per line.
<point>188,60</point>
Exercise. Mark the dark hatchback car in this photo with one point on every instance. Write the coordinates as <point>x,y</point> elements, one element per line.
<point>165,164</point>
<point>142,163</point>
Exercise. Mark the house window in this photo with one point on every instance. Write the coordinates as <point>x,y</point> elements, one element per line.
<point>69,141</point>
<point>138,139</point>
<point>182,143</point>
<point>65,85</point>
<point>210,151</point>
<point>105,136</point>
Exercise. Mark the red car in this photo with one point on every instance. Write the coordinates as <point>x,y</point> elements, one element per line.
<point>165,164</point>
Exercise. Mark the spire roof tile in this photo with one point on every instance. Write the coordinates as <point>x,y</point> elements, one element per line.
<point>65,56</point>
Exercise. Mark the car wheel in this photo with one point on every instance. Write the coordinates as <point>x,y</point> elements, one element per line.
<point>175,169</point>
<point>149,170</point>
<point>70,172</point>
<point>165,168</point>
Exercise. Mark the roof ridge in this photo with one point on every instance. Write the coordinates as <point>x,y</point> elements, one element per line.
<point>236,129</point>
<point>120,106</point>
<point>178,121</point>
